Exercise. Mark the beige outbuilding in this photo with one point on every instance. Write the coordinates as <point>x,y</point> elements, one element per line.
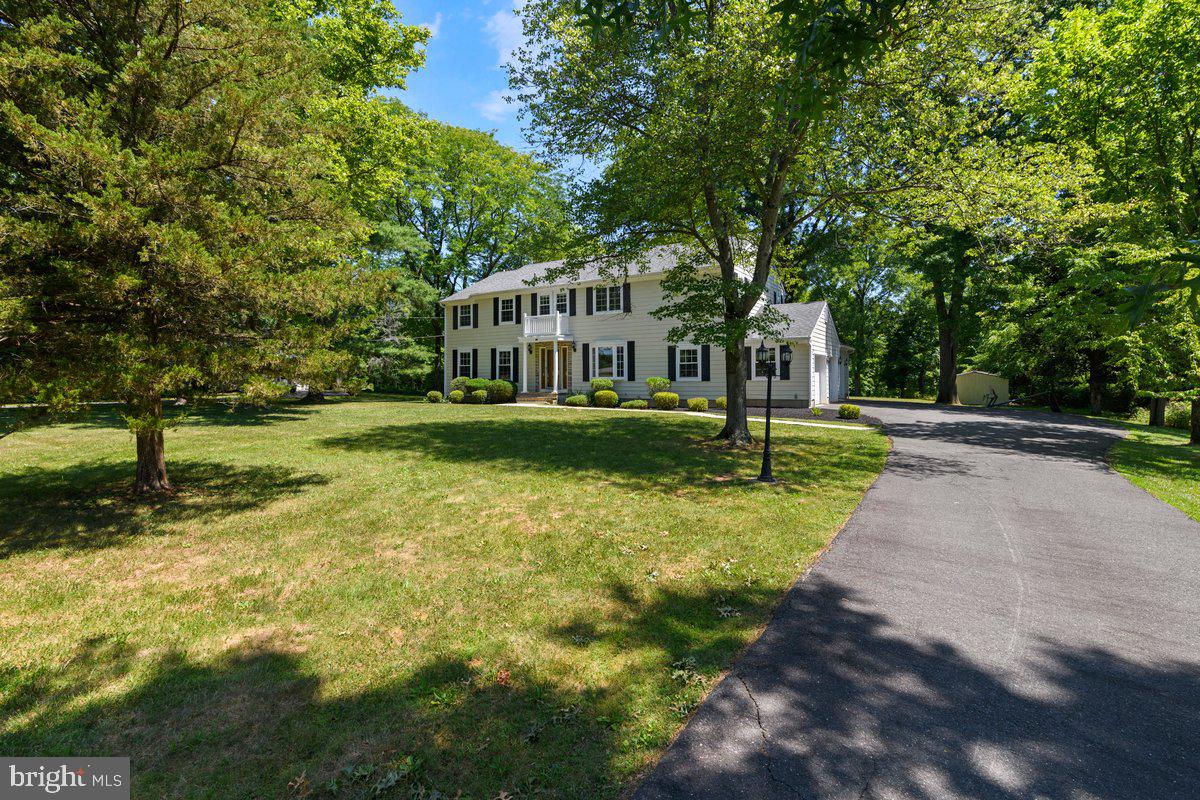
<point>977,388</point>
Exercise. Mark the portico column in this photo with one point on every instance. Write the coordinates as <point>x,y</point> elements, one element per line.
<point>524,369</point>
<point>555,346</point>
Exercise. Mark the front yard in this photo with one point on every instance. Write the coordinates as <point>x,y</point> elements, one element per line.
<point>383,598</point>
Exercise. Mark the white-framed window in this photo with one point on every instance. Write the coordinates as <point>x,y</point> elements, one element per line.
<point>560,302</point>
<point>687,366</point>
<point>464,364</point>
<point>607,299</point>
<point>508,309</point>
<point>504,365</point>
<point>543,305</point>
<point>759,372</point>
<point>464,316</point>
<point>608,360</point>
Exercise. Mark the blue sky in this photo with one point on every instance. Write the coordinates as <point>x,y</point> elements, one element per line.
<point>463,81</point>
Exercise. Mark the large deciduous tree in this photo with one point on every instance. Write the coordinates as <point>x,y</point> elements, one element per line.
<point>175,198</point>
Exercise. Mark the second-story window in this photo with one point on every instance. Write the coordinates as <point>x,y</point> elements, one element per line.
<point>560,302</point>
<point>543,305</point>
<point>608,299</point>
<point>507,309</point>
<point>464,316</point>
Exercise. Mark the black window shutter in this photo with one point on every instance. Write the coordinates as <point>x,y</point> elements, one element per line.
<point>749,363</point>
<point>625,299</point>
<point>454,316</point>
<point>474,363</point>
<point>475,315</point>
<point>671,362</point>
<point>705,373</point>
<point>493,363</point>
<point>512,371</point>
<point>571,302</point>
<point>630,372</point>
<point>587,361</point>
<point>590,295</point>
<point>517,311</point>
<point>533,306</point>
<point>495,310</point>
<point>785,369</point>
<point>453,363</point>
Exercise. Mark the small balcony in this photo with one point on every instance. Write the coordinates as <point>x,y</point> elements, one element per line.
<point>548,326</point>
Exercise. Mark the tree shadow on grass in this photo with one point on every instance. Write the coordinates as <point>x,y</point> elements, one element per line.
<point>256,722</point>
<point>89,505</point>
<point>636,452</point>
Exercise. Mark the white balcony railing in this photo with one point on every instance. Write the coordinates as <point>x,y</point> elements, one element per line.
<point>556,324</point>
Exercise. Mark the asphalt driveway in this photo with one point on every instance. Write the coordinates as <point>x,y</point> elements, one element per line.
<point>1003,617</point>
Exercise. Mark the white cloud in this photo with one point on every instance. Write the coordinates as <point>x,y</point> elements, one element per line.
<point>434,27</point>
<point>494,107</point>
<point>504,30</point>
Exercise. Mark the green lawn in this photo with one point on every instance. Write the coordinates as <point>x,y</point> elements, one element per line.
<point>392,594</point>
<point>1160,461</point>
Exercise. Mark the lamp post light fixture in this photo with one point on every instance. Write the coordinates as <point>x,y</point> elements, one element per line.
<point>767,366</point>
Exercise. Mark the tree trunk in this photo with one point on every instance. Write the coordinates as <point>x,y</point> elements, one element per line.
<point>1096,377</point>
<point>1196,421</point>
<point>737,429</point>
<point>947,322</point>
<point>151,456</point>
<point>1158,412</point>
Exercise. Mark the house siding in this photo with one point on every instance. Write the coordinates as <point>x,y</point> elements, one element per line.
<point>636,325</point>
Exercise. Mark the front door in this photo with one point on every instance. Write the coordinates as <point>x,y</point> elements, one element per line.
<point>546,367</point>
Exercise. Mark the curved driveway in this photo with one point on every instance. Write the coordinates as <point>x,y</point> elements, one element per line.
<point>1003,617</point>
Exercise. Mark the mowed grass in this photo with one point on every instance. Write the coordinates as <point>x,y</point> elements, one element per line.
<point>383,598</point>
<point>1161,461</point>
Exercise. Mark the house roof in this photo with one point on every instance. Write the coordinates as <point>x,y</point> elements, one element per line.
<point>802,318</point>
<point>981,372</point>
<point>656,261</point>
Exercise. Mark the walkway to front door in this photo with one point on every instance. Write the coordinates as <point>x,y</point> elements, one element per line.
<point>544,354</point>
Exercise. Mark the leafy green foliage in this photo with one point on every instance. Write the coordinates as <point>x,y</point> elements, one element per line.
<point>636,405</point>
<point>665,401</point>
<point>478,397</point>
<point>601,384</point>
<point>605,398</point>
<point>720,403</point>
<point>500,391</point>
<point>456,396</point>
<point>849,411</point>
<point>576,400</point>
<point>433,396</point>
<point>656,385</point>
<point>697,404</point>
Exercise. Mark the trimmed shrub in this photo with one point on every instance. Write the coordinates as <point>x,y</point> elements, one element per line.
<point>459,383</point>
<point>816,412</point>
<point>849,411</point>
<point>606,399</point>
<point>721,403</point>
<point>697,404</point>
<point>478,397</point>
<point>666,401</point>
<point>456,396</point>
<point>656,385</point>
<point>1179,415</point>
<point>576,400</point>
<point>501,391</point>
<point>476,385</point>
<point>602,385</point>
<point>433,397</point>
<point>637,405</point>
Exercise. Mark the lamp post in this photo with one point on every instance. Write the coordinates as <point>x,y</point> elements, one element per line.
<point>785,357</point>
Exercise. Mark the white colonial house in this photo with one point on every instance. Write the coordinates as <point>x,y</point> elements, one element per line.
<point>552,337</point>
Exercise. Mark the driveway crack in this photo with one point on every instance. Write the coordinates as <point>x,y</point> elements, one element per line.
<point>763,746</point>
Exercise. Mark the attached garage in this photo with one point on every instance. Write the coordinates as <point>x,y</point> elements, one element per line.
<point>976,388</point>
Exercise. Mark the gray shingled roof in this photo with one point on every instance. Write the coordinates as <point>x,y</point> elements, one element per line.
<point>802,318</point>
<point>656,261</point>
